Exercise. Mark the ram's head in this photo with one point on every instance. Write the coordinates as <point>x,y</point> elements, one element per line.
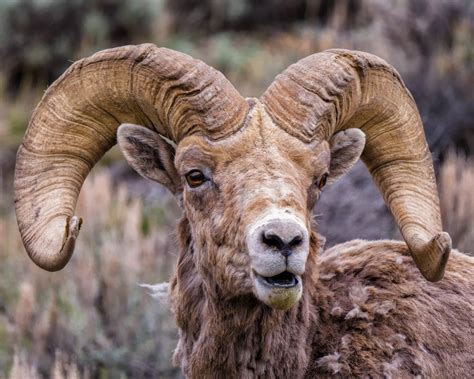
<point>247,172</point>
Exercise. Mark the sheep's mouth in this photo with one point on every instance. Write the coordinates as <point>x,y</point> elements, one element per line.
<point>285,280</point>
<point>280,291</point>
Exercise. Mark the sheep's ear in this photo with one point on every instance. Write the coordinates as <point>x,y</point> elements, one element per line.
<point>346,147</point>
<point>149,154</point>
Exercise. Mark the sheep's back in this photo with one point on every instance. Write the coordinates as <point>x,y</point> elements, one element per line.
<point>379,315</point>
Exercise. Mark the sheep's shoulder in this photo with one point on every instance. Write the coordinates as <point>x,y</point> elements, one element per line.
<point>379,315</point>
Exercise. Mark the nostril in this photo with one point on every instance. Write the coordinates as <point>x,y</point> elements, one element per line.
<point>296,241</point>
<point>272,240</point>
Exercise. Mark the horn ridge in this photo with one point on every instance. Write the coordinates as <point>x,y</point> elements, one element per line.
<point>76,121</point>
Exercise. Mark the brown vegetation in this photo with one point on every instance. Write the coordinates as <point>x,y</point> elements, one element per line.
<point>456,183</point>
<point>93,314</point>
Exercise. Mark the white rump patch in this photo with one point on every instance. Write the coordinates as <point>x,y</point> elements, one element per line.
<point>159,291</point>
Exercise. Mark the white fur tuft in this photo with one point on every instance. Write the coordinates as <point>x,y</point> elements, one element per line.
<point>160,291</point>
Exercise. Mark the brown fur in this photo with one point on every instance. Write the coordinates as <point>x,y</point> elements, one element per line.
<point>370,314</point>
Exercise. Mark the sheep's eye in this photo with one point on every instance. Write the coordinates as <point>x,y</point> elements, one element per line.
<point>195,178</point>
<point>321,181</point>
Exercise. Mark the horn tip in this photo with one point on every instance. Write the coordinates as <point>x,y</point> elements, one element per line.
<point>437,250</point>
<point>74,226</point>
<point>57,261</point>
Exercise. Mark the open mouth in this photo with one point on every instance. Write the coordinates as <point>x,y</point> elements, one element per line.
<point>280,291</point>
<point>284,280</point>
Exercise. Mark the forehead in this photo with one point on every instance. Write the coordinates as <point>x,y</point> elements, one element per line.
<point>259,144</point>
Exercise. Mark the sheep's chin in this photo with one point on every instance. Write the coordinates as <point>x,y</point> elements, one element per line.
<point>277,297</point>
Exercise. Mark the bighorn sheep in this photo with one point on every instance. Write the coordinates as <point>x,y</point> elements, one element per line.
<point>252,293</point>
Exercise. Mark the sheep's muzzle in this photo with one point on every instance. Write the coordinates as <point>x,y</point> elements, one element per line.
<point>278,246</point>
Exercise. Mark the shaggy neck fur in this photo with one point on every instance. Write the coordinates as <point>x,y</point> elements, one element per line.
<point>239,337</point>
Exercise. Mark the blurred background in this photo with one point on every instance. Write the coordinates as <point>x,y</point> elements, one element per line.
<point>92,320</point>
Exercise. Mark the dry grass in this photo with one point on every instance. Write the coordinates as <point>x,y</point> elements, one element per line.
<point>92,318</point>
<point>61,369</point>
<point>456,186</point>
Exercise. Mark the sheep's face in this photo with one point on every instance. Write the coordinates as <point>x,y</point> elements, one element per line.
<point>248,199</point>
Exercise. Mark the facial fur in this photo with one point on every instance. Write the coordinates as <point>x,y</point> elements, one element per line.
<point>247,199</point>
<point>249,176</point>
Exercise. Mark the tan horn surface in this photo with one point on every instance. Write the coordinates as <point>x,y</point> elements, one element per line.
<point>76,123</point>
<point>339,89</point>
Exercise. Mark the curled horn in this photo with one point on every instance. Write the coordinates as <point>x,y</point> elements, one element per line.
<point>76,122</point>
<point>340,89</point>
